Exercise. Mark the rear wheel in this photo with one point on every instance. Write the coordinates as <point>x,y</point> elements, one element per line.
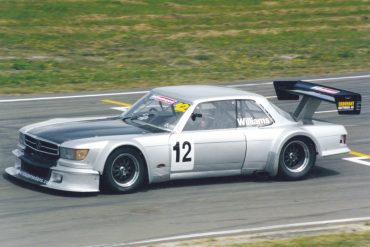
<point>297,158</point>
<point>124,170</point>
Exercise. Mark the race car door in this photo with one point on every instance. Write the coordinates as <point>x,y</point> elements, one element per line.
<point>210,142</point>
<point>257,126</point>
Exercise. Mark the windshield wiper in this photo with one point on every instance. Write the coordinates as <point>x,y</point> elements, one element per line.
<point>130,118</point>
<point>154,126</point>
<point>135,117</point>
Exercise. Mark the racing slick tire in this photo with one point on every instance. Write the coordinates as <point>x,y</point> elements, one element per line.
<point>297,158</point>
<point>124,171</point>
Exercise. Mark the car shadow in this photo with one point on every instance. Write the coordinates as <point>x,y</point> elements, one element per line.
<point>210,181</point>
<point>317,172</point>
<point>40,189</point>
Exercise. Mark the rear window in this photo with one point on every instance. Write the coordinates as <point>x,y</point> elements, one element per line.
<point>285,114</point>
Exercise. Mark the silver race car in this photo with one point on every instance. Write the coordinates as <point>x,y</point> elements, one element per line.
<point>184,132</point>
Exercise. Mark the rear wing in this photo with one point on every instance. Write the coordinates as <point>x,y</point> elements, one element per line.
<point>347,102</point>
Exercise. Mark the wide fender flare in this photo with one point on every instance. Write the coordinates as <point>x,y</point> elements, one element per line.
<point>277,145</point>
<point>111,146</point>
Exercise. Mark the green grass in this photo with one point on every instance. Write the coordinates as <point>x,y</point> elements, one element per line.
<point>71,45</point>
<point>356,239</point>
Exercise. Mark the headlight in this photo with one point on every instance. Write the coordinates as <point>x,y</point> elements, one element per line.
<point>21,139</point>
<point>73,154</point>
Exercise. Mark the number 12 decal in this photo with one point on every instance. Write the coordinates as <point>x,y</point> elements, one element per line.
<point>185,145</point>
<point>182,156</point>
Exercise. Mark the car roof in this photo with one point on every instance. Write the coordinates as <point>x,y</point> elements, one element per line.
<point>202,92</point>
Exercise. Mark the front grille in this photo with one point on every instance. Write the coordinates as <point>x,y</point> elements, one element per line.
<point>41,158</point>
<point>41,145</point>
<point>40,172</point>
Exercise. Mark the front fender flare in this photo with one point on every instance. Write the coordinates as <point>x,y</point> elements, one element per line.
<point>100,164</point>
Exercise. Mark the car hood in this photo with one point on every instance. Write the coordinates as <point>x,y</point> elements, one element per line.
<point>68,131</point>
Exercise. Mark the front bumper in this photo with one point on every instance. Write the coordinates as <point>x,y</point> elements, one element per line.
<point>61,177</point>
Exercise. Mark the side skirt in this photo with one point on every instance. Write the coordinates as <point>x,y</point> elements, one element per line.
<point>207,174</point>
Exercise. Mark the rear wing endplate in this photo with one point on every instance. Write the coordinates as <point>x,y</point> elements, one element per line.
<point>347,102</point>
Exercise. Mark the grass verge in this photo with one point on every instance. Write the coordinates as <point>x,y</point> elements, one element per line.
<point>78,45</point>
<point>347,237</point>
<point>358,239</point>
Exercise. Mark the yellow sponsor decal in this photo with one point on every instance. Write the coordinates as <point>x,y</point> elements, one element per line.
<point>182,107</point>
<point>346,103</point>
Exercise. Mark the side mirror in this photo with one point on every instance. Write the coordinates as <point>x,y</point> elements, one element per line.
<point>194,116</point>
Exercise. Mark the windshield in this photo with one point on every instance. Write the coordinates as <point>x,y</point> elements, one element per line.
<point>157,111</point>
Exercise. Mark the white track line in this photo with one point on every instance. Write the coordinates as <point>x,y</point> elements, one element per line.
<point>319,112</point>
<point>250,84</point>
<point>72,96</point>
<point>143,92</point>
<point>340,78</point>
<point>239,231</point>
<point>319,79</point>
<point>122,108</point>
<point>358,160</point>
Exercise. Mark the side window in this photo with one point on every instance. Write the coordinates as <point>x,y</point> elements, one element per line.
<point>213,115</point>
<point>250,114</point>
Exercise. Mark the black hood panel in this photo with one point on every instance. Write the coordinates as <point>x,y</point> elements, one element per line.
<point>63,132</point>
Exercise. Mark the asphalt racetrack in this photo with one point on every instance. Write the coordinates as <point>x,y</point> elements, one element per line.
<point>29,216</point>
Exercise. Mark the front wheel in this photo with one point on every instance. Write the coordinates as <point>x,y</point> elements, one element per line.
<point>124,170</point>
<point>297,158</point>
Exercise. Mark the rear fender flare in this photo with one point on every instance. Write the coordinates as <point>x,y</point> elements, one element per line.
<point>273,159</point>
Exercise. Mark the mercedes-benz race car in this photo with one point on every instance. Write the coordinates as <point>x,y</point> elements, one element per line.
<point>184,132</point>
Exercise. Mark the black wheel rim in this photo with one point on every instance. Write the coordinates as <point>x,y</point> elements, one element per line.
<point>125,170</point>
<point>296,156</point>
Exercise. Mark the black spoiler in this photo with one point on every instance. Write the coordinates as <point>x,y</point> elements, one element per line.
<point>347,102</point>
